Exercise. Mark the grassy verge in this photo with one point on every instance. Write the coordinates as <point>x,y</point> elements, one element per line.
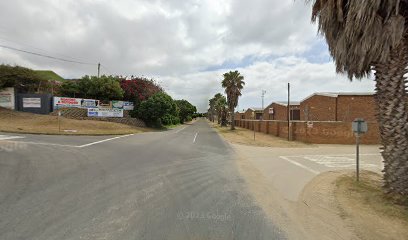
<point>19,122</point>
<point>374,215</point>
<point>246,137</point>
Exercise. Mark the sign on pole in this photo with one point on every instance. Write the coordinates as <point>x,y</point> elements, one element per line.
<point>359,126</point>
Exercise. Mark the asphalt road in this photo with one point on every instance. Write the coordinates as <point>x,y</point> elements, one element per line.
<point>178,184</point>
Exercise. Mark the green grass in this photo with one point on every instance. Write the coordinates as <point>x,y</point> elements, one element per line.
<point>49,75</point>
<point>370,193</point>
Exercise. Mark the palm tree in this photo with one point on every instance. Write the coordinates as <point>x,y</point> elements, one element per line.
<point>233,83</point>
<point>221,108</point>
<point>372,35</point>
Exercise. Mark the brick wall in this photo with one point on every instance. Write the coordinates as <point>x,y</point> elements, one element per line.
<point>352,107</point>
<point>318,108</point>
<point>318,133</point>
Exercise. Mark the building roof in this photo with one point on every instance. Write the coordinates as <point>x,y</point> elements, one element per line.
<point>336,94</point>
<point>255,109</point>
<point>283,103</point>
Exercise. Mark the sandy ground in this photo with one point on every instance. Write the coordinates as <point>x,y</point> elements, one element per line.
<point>309,202</point>
<point>364,206</point>
<point>19,122</point>
<point>323,210</point>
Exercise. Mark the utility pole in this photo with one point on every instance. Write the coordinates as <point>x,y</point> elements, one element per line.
<point>99,69</point>
<point>289,138</point>
<point>263,96</point>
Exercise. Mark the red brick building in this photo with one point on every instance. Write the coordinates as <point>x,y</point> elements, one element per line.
<point>253,113</point>
<point>279,111</point>
<point>343,107</point>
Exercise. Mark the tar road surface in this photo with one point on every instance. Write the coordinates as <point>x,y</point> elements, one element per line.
<point>178,184</point>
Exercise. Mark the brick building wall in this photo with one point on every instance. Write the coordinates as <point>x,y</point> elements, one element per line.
<point>343,108</point>
<point>318,133</point>
<point>352,107</point>
<point>318,108</point>
<point>280,112</point>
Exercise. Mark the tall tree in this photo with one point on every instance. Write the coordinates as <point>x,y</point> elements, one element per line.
<point>221,109</point>
<point>214,107</point>
<point>186,110</point>
<point>372,35</point>
<point>233,83</point>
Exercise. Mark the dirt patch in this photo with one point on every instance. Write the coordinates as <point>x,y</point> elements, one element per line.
<point>20,122</point>
<point>246,137</point>
<point>331,206</point>
<point>366,207</point>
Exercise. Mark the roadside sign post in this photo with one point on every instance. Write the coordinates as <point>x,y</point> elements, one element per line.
<point>59,121</point>
<point>253,123</point>
<point>359,127</point>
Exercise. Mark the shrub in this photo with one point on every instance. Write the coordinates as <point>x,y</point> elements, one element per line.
<point>157,110</point>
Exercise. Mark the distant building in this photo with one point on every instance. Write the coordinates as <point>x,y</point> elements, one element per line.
<point>343,107</point>
<point>254,113</point>
<point>279,111</point>
<point>239,115</point>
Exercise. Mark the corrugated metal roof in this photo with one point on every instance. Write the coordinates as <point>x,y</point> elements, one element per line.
<point>283,103</point>
<point>256,109</point>
<point>336,94</point>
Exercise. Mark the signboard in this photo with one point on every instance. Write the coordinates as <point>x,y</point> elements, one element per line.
<point>31,102</point>
<point>128,106</point>
<point>62,102</point>
<point>271,111</point>
<point>97,112</point>
<point>7,98</point>
<point>89,103</point>
<point>360,126</point>
<point>105,105</point>
<point>117,104</point>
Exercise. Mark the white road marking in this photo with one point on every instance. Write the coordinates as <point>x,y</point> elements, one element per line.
<point>105,140</point>
<point>338,160</point>
<point>7,137</point>
<point>181,129</point>
<point>42,143</point>
<point>195,137</point>
<point>300,165</point>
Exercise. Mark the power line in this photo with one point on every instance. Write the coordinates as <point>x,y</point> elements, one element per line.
<point>7,39</point>
<point>46,56</point>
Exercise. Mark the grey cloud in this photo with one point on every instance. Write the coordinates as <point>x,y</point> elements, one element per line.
<point>173,41</point>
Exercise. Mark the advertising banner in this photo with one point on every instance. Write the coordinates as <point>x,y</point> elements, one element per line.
<point>128,106</point>
<point>117,104</point>
<point>97,112</point>
<point>7,98</point>
<point>31,102</point>
<point>62,102</point>
<point>89,103</point>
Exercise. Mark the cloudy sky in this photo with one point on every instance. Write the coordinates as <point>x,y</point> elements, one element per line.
<point>185,44</point>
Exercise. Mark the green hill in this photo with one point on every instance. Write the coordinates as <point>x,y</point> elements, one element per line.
<point>49,75</point>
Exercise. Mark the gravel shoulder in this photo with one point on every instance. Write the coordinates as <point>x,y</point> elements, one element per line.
<point>246,137</point>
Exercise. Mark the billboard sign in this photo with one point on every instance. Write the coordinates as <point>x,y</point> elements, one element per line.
<point>117,104</point>
<point>62,102</point>
<point>31,102</point>
<point>7,98</point>
<point>128,106</point>
<point>97,112</point>
<point>89,103</point>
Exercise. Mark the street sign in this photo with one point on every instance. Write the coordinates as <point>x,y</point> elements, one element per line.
<point>359,126</point>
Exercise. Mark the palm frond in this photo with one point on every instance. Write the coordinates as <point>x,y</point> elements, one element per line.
<point>360,33</point>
